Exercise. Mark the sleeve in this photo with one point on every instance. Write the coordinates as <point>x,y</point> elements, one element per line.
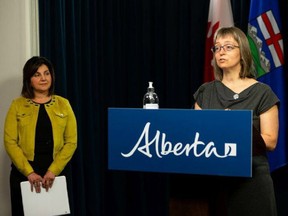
<point>11,141</point>
<point>70,142</point>
<point>268,99</point>
<point>198,95</point>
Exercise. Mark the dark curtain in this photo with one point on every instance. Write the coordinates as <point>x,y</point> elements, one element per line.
<point>104,53</point>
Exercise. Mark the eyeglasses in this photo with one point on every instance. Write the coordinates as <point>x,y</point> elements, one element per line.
<point>226,48</point>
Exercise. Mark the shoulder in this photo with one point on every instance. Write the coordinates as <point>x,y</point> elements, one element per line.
<point>20,100</point>
<point>205,91</point>
<point>208,86</point>
<point>263,88</point>
<point>60,99</point>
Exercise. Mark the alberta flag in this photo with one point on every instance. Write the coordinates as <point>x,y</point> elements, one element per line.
<point>264,34</point>
<point>220,15</point>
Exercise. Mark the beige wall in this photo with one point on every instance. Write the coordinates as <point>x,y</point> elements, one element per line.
<point>18,42</point>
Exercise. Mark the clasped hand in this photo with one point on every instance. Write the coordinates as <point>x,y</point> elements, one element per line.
<point>36,181</point>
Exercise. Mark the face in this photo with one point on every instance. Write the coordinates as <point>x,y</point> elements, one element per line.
<point>41,80</point>
<point>228,54</point>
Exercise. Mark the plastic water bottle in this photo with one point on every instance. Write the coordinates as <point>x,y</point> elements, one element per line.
<point>150,99</point>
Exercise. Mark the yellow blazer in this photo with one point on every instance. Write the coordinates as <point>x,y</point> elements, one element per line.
<point>20,128</point>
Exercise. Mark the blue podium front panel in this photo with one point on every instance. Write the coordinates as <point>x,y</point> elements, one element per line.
<point>206,142</point>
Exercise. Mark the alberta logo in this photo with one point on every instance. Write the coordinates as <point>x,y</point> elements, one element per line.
<point>163,147</point>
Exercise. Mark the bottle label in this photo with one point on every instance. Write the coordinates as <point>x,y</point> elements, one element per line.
<point>151,106</point>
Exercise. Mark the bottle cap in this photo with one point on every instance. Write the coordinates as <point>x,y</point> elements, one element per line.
<point>150,85</point>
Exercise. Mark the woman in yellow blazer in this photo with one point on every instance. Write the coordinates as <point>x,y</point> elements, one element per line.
<point>40,132</point>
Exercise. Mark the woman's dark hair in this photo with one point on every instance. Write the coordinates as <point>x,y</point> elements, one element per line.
<point>29,69</point>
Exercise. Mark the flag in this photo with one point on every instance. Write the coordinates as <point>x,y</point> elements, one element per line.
<point>264,35</point>
<point>220,15</point>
